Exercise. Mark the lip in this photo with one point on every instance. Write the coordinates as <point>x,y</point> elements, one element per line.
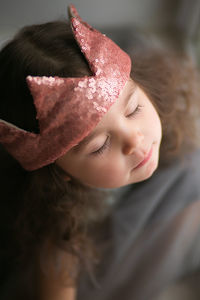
<point>142,163</point>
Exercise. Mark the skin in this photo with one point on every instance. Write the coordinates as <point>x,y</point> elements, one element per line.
<point>124,138</point>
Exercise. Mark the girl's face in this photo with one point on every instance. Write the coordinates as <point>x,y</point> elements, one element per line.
<point>124,146</point>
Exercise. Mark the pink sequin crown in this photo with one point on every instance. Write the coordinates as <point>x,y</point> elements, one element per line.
<point>68,109</point>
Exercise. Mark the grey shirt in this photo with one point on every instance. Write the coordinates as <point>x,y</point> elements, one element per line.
<point>154,235</point>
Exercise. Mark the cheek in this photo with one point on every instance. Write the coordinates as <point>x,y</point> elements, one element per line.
<point>154,123</point>
<point>151,117</point>
<point>106,174</point>
<point>158,126</point>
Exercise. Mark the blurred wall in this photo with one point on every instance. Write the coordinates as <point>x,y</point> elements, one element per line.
<point>100,13</point>
<point>179,19</point>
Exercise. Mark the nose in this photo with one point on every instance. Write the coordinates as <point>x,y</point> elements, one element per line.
<point>133,142</point>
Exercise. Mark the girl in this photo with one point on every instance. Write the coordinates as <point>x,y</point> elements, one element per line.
<point>74,124</point>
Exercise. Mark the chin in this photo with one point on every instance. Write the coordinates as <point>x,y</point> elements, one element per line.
<point>149,170</point>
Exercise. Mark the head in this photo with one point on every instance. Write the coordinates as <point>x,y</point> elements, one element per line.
<point>96,168</point>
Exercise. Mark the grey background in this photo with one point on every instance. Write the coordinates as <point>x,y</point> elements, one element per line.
<point>147,15</point>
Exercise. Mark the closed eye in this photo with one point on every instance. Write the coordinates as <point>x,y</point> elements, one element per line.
<point>135,112</point>
<point>103,147</point>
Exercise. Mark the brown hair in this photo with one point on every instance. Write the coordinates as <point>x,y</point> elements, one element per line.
<point>41,213</point>
<point>171,81</point>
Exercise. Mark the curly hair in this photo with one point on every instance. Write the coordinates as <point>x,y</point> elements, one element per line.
<point>42,215</point>
<point>171,81</point>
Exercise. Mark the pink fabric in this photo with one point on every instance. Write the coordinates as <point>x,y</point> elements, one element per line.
<point>68,109</point>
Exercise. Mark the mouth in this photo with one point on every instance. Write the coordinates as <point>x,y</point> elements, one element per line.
<point>145,160</point>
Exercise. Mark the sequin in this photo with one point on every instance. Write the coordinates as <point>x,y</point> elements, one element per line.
<point>68,109</point>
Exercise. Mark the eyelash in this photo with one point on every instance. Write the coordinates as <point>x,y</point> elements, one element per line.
<point>107,141</point>
<point>135,112</point>
<point>103,148</point>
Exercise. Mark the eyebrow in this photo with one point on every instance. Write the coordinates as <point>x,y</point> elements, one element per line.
<point>88,138</point>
